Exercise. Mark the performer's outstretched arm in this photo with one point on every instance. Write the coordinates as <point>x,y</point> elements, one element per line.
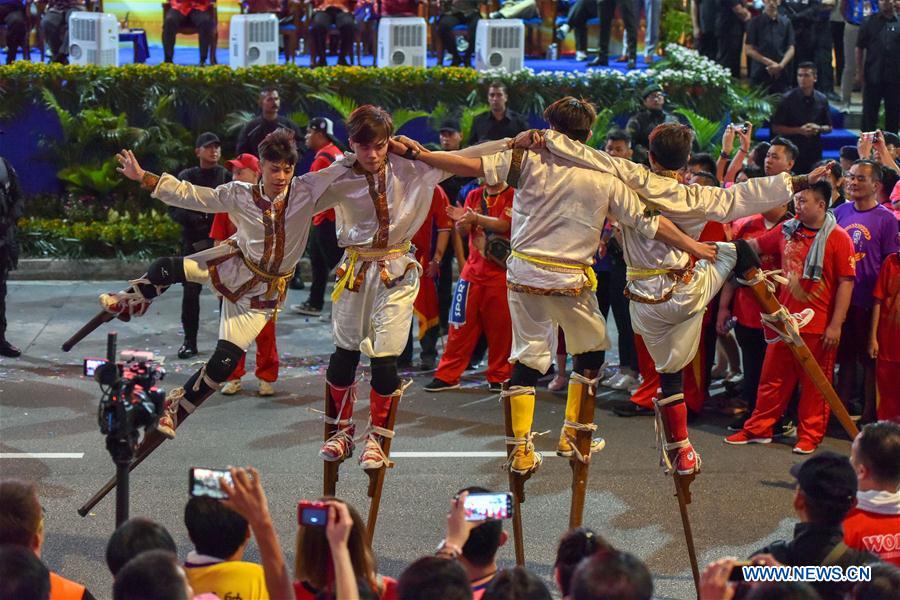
<point>465,162</point>
<point>175,192</point>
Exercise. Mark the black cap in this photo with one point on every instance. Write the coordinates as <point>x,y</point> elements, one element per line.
<point>827,477</point>
<point>651,89</point>
<point>891,139</point>
<point>849,152</point>
<point>449,125</point>
<point>206,138</point>
<point>323,125</point>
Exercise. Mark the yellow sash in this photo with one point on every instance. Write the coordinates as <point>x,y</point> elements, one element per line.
<point>366,255</point>
<point>587,270</point>
<point>277,281</point>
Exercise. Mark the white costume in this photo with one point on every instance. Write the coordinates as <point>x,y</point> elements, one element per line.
<point>669,296</point>
<point>377,214</point>
<point>558,215</point>
<point>251,269</point>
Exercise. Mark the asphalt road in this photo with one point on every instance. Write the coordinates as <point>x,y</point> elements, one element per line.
<point>741,501</point>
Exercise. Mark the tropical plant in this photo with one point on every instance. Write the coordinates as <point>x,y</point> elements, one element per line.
<point>706,131</point>
<point>675,25</point>
<point>600,128</point>
<point>342,105</point>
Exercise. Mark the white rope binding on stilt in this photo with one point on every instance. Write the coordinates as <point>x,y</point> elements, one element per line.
<point>664,461</point>
<point>591,427</point>
<point>528,441</point>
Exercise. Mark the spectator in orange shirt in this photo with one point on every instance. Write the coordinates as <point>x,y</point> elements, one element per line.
<point>873,524</point>
<point>197,13</point>
<point>884,340</point>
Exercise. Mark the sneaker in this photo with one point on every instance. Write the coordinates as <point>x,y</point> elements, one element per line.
<point>608,381</point>
<point>373,455</point>
<point>232,387</point>
<point>427,364</point>
<point>124,304</point>
<point>525,460</point>
<point>581,55</point>
<point>565,449</point>
<point>638,382</point>
<point>325,317</point>
<point>562,32</point>
<point>742,438</point>
<point>804,447</point>
<point>188,349</point>
<point>169,420</point>
<point>339,446</point>
<point>686,461</point>
<point>438,385</point>
<point>265,388</point>
<point>494,387</point>
<point>630,409</point>
<point>559,383</point>
<point>785,428</point>
<point>623,382</point>
<point>306,309</point>
<point>738,423</point>
<point>8,350</point>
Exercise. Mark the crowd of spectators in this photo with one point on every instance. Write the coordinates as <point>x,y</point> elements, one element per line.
<point>845,508</point>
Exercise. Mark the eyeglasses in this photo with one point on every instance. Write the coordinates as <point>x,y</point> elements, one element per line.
<point>657,96</point>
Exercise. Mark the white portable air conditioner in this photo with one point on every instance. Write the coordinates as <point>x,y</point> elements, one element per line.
<point>93,39</point>
<point>254,40</point>
<point>500,44</point>
<point>401,42</point>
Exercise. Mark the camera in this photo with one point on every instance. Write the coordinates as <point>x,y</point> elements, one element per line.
<point>313,514</point>
<point>205,482</point>
<point>742,127</point>
<point>480,507</point>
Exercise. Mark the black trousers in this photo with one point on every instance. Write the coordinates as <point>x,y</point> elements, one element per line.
<point>729,53</point>
<point>201,20</point>
<point>346,25</point>
<point>709,45</point>
<point>55,25</point>
<point>606,9</point>
<point>445,29</point>
<point>428,344</point>
<point>752,343</point>
<point>579,13</point>
<point>822,51</point>
<point>190,298</point>
<point>4,274</point>
<point>445,289</point>
<point>873,94</point>
<point>324,255</point>
<point>837,42</point>
<point>610,295</point>
<point>13,16</point>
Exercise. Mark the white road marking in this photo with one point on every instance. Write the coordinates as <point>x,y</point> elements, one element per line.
<point>41,454</point>
<point>482,454</point>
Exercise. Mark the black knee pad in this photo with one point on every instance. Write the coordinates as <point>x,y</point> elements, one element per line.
<point>223,361</point>
<point>524,376</point>
<point>589,361</point>
<point>385,379</point>
<point>342,367</point>
<point>166,271</point>
<point>746,257</point>
<point>670,383</point>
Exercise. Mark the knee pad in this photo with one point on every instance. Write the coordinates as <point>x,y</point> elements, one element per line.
<point>746,257</point>
<point>224,361</point>
<point>166,271</point>
<point>589,361</point>
<point>670,383</point>
<point>342,367</point>
<point>385,379</point>
<point>524,376</point>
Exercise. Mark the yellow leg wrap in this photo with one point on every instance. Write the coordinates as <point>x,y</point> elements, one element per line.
<point>573,401</point>
<point>521,408</point>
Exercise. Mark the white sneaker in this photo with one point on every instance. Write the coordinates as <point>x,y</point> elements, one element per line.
<point>265,388</point>
<point>637,383</point>
<point>232,387</point>
<point>608,381</point>
<point>581,55</point>
<point>325,317</point>
<point>623,382</point>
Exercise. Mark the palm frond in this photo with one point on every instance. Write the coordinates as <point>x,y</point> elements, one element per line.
<point>402,116</point>
<point>342,105</point>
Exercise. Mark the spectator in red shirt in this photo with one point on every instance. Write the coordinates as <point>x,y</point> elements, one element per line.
<point>197,13</point>
<point>817,260</point>
<point>873,524</point>
<point>479,302</point>
<point>246,168</point>
<point>324,253</point>
<point>884,340</point>
<point>425,307</point>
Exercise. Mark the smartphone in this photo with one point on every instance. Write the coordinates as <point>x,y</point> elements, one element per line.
<point>92,364</point>
<point>737,571</point>
<point>742,127</point>
<point>314,514</point>
<point>480,507</point>
<point>205,482</point>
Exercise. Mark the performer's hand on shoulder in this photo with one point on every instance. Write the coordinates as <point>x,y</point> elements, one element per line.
<point>705,251</point>
<point>129,166</point>
<point>820,172</point>
<point>532,139</point>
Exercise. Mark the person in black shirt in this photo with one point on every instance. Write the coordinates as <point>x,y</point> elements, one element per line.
<point>253,133</point>
<point>11,209</point>
<point>703,19</point>
<point>879,43</point>
<point>730,21</point>
<point>195,231</point>
<point>453,13</point>
<point>770,45</point>
<point>606,9</point>
<point>803,15</point>
<point>826,491</point>
<point>802,116</point>
<point>644,121</point>
<point>499,122</point>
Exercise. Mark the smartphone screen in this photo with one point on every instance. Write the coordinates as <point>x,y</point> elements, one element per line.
<point>91,365</point>
<point>488,506</point>
<point>737,571</point>
<point>314,516</point>
<point>205,482</point>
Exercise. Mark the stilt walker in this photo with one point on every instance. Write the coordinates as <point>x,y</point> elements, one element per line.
<point>669,295</point>
<point>558,215</point>
<point>250,271</point>
<point>381,201</point>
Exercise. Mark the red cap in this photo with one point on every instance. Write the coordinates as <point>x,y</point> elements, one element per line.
<point>244,161</point>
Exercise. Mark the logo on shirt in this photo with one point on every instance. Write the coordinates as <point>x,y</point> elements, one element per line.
<point>882,544</point>
<point>860,235</point>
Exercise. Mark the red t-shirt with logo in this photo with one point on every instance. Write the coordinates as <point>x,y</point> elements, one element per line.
<point>743,305</point>
<point>887,291</point>
<point>437,220</point>
<point>222,228</point>
<point>802,293</point>
<point>324,157</point>
<point>874,532</point>
<point>480,269</point>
